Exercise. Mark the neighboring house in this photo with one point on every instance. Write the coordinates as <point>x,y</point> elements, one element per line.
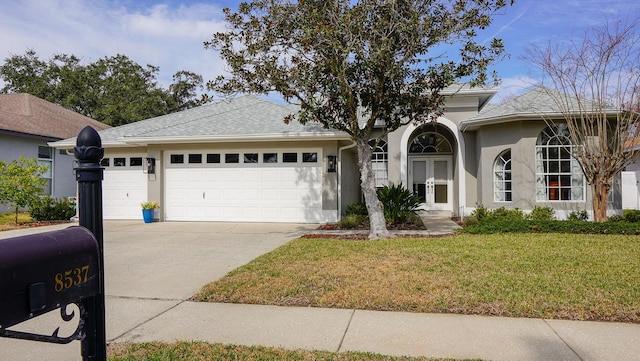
<point>27,124</point>
<point>236,160</point>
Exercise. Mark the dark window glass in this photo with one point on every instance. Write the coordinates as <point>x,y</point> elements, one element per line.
<point>135,162</point>
<point>213,158</point>
<point>177,158</point>
<point>232,158</point>
<point>104,162</point>
<point>119,162</point>
<point>309,157</point>
<point>45,152</point>
<point>290,157</point>
<point>195,158</point>
<point>270,158</point>
<point>251,157</point>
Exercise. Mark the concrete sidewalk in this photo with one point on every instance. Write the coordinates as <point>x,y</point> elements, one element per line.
<point>152,270</point>
<point>392,333</point>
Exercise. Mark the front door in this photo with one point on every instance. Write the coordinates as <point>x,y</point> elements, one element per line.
<point>431,180</point>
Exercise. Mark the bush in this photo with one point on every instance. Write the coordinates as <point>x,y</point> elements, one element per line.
<point>351,221</point>
<point>631,215</point>
<point>356,209</point>
<point>398,203</point>
<point>481,212</point>
<point>542,214</point>
<point>615,218</point>
<point>579,215</point>
<point>51,209</point>
<point>531,226</point>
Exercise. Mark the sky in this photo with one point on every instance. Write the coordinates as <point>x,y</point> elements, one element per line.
<point>170,33</point>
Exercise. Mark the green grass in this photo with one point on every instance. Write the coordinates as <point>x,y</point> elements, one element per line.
<point>7,220</point>
<point>200,351</point>
<point>560,276</point>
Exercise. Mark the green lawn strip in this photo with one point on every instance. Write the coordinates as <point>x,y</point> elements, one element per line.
<point>195,351</point>
<point>561,276</point>
<point>7,220</point>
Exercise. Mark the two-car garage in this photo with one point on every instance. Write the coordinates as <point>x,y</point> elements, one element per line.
<point>231,186</point>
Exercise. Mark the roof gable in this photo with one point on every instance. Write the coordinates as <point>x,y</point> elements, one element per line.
<point>28,114</point>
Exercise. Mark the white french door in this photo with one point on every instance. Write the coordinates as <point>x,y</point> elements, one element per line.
<point>431,179</point>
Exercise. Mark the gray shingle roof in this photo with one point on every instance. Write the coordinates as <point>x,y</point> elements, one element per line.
<point>242,117</point>
<point>536,103</point>
<point>28,114</point>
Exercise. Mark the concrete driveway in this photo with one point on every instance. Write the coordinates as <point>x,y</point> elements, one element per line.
<point>152,268</point>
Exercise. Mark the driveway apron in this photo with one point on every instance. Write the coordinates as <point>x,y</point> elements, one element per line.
<point>150,269</point>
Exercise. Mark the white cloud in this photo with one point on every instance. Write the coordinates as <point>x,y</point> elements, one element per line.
<point>169,37</point>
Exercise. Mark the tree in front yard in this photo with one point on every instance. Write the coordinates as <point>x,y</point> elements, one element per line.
<point>354,66</point>
<point>595,83</point>
<point>21,183</point>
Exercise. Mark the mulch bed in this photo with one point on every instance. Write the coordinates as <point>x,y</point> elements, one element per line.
<point>364,227</point>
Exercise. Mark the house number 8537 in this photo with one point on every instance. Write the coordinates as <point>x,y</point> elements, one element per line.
<point>74,277</point>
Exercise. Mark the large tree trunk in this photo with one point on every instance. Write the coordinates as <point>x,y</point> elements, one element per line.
<point>377,224</point>
<point>600,194</point>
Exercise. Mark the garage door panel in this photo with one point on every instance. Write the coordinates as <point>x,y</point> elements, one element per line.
<point>244,192</point>
<point>122,193</point>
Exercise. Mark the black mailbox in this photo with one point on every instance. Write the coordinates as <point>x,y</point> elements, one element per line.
<point>42,272</point>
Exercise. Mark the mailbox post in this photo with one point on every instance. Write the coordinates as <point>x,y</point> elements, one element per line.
<point>89,175</point>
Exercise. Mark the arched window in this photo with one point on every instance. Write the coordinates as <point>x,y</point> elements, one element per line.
<point>502,189</point>
<point>379,162</point>
<point>558,175</point>
<point>430,142</point>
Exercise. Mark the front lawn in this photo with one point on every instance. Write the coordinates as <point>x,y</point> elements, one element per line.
<point>7,220</point>
<point>562,276</point>
<point>195,351</point>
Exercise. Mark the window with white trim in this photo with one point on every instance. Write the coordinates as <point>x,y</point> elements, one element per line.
<point>558,174</point>
<point>380,162</point>
<point>502,185</point>
<point>45,158</point>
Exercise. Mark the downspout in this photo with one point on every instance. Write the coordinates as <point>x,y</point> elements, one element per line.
<point>349,146</point>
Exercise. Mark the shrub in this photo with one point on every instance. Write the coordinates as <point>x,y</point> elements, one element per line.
<point>357,209</point>
<point>351,221</point>
<point>398,203</point>
<point>579,215</point>
<point>631,215</point>
<point>504,213</point>
<point>542,214</point>
<point>530,226</point>
<point>481,212</point>
<point>615,218</point>
<point>48,208</point>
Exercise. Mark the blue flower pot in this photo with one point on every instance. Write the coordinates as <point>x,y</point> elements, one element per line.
<point>147,215</point>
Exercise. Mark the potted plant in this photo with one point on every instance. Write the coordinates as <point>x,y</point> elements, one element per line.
<point>148,209</point>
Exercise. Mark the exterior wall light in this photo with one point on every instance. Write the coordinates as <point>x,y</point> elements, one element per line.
<point>331,163</point>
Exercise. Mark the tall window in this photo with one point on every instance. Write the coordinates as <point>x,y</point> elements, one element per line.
<point>379,162</point>
<point>558,175</point>
<point>502,190</point>
<point>45,158</point>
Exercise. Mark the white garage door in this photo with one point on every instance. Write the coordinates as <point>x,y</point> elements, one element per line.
<point>244,187</point>
<point>123,188</point>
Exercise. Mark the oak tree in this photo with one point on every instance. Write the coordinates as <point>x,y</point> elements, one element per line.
<point>355,65</point>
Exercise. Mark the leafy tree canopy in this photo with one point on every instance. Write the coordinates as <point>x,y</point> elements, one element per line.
<point>114,90</point>
<point>353,64</point>
<point>21,182</point>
